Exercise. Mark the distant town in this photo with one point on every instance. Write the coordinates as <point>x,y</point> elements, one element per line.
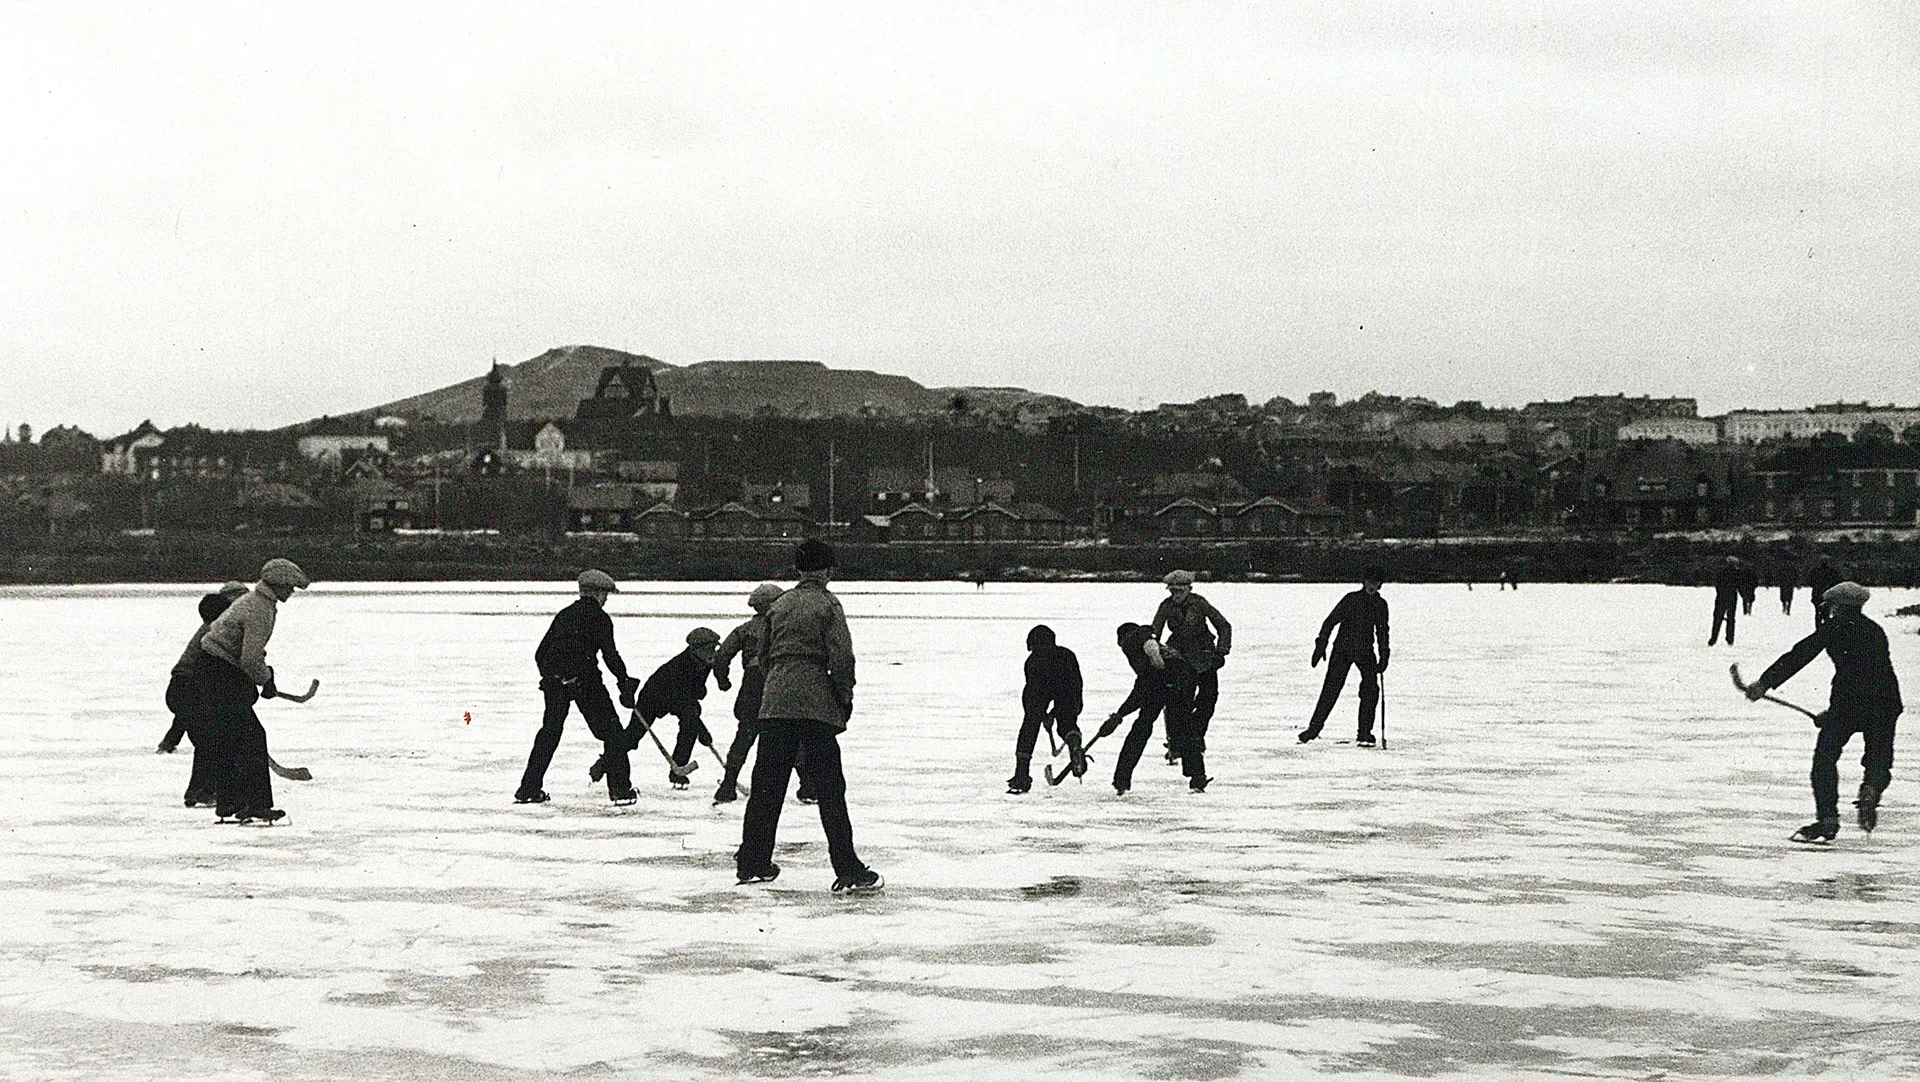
<point>782,454</point>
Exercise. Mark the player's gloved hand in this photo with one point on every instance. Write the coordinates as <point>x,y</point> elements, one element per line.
<point>1384,657</point>
<point>268,690</point>
<point>628,686</point>
<point>1756,692</point>
<point>721,681</point>
<point>1319,652</point>
<point>1109,725</point>
<point>1820,720</point>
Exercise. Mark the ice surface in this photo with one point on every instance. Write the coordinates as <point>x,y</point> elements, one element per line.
<point>1571,860</point>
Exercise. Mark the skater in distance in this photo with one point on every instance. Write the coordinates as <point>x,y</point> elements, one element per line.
<point>1193,659</point>
<point>1361,617</point>
<point>1865,699</point>
<point>232,665</point>
<point>1728,582</point>
<point>1051,698</point>
<point>567,658</point>
<point>807,703</point>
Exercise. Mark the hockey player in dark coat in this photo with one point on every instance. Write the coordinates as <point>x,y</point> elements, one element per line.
<point>1865,700</point>
<point>1361,617</point>
<point>1821,577</point>
<point>570,676</point>
<point>1148,696</point>
<point>1727,583</point>
<point>1052,696</point>
<point>676,688</point>
<point>188,702</point>
<point>1193,657</point>
<point>1749,588</point>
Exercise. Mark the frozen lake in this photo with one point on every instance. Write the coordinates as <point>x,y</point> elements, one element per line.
<point>1571,861</point>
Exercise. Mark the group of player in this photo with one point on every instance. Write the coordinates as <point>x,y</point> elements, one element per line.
<point>796,698</point>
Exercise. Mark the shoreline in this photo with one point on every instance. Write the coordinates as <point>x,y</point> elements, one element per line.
<point>1886,558</point>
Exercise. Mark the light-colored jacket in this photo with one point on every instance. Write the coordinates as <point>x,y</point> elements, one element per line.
<point>808,656</point>
<point>239,635</point>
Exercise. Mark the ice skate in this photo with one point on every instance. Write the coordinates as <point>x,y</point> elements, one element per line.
<point>623,797</point>
<point>1364,740</point>
<point>598,770</point>
<point>726,794</point>
<point>764,875</point>
<point>1307,736</point>
<point>1868,807</point>
<point>538,796</point>
<point>867,882</point>
<point>1198,784</point>
<point>1818,832</point>
<point>1019,784</point>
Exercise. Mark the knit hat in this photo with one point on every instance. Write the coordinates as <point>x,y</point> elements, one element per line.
<point>281,571</point>
<point>1178,578</point>
<point>813,554</point>
<point>1041,635</point>
<point>1847,593</point>
<point>592,579</point>
<point>702,636</point>
<point>763,595</point>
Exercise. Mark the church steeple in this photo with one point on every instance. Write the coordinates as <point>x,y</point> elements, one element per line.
<point>493,396</point>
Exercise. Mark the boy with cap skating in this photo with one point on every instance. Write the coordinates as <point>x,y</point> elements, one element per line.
<point>233,674</point>
<point>185,699</point>
<point>1361,617</point>
<point>676,688</point>
<point>1193,659</point>
<point>570,676</point>
<point>746,641</point>
<point>808,700</point>
<point>1052,696</point>
<point>1865,699</point>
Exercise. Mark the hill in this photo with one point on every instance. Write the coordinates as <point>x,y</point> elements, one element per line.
<point>552,385</point>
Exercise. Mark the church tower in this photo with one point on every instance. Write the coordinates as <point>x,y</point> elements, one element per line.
<point>493,397</point>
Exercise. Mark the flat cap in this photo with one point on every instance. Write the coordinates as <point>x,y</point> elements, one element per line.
<point>702,636</point>
<point>281,571</point>
<point>813,554</point>
<point>594,579</point>
<point>232,588</point>
<point>763,595</point>
<point>1178,578</point>
<point>1847,593</point>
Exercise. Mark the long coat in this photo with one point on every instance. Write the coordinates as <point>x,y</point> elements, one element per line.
<point>808,657</point>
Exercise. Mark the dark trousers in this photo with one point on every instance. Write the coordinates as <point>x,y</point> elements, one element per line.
<point>591,696</point>
<point>1337,665</point>
<point>781,741</point>
<point>1150,692</point>
<point>242,781</point>
<point>1190,700</point>
<point>744,734</point>
<point>692,731</point>
<point>1725,610</point>
<point>1786,600</point>
<point>1067,727</point>
<point>187,701</point>
<point>1876,760</point>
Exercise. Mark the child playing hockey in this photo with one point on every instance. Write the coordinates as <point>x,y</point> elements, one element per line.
<point>1051,697</point>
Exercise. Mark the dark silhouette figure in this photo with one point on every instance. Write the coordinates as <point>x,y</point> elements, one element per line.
<point>1361,617</point>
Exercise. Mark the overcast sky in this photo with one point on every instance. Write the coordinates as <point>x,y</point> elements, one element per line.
<point>247,215</point>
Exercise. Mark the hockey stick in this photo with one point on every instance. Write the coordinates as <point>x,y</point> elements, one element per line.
<point>1734,670</point>
<point>311,688</point>
<point>1067,770</point>
<point>677,771</point>
<point>291,773</point>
